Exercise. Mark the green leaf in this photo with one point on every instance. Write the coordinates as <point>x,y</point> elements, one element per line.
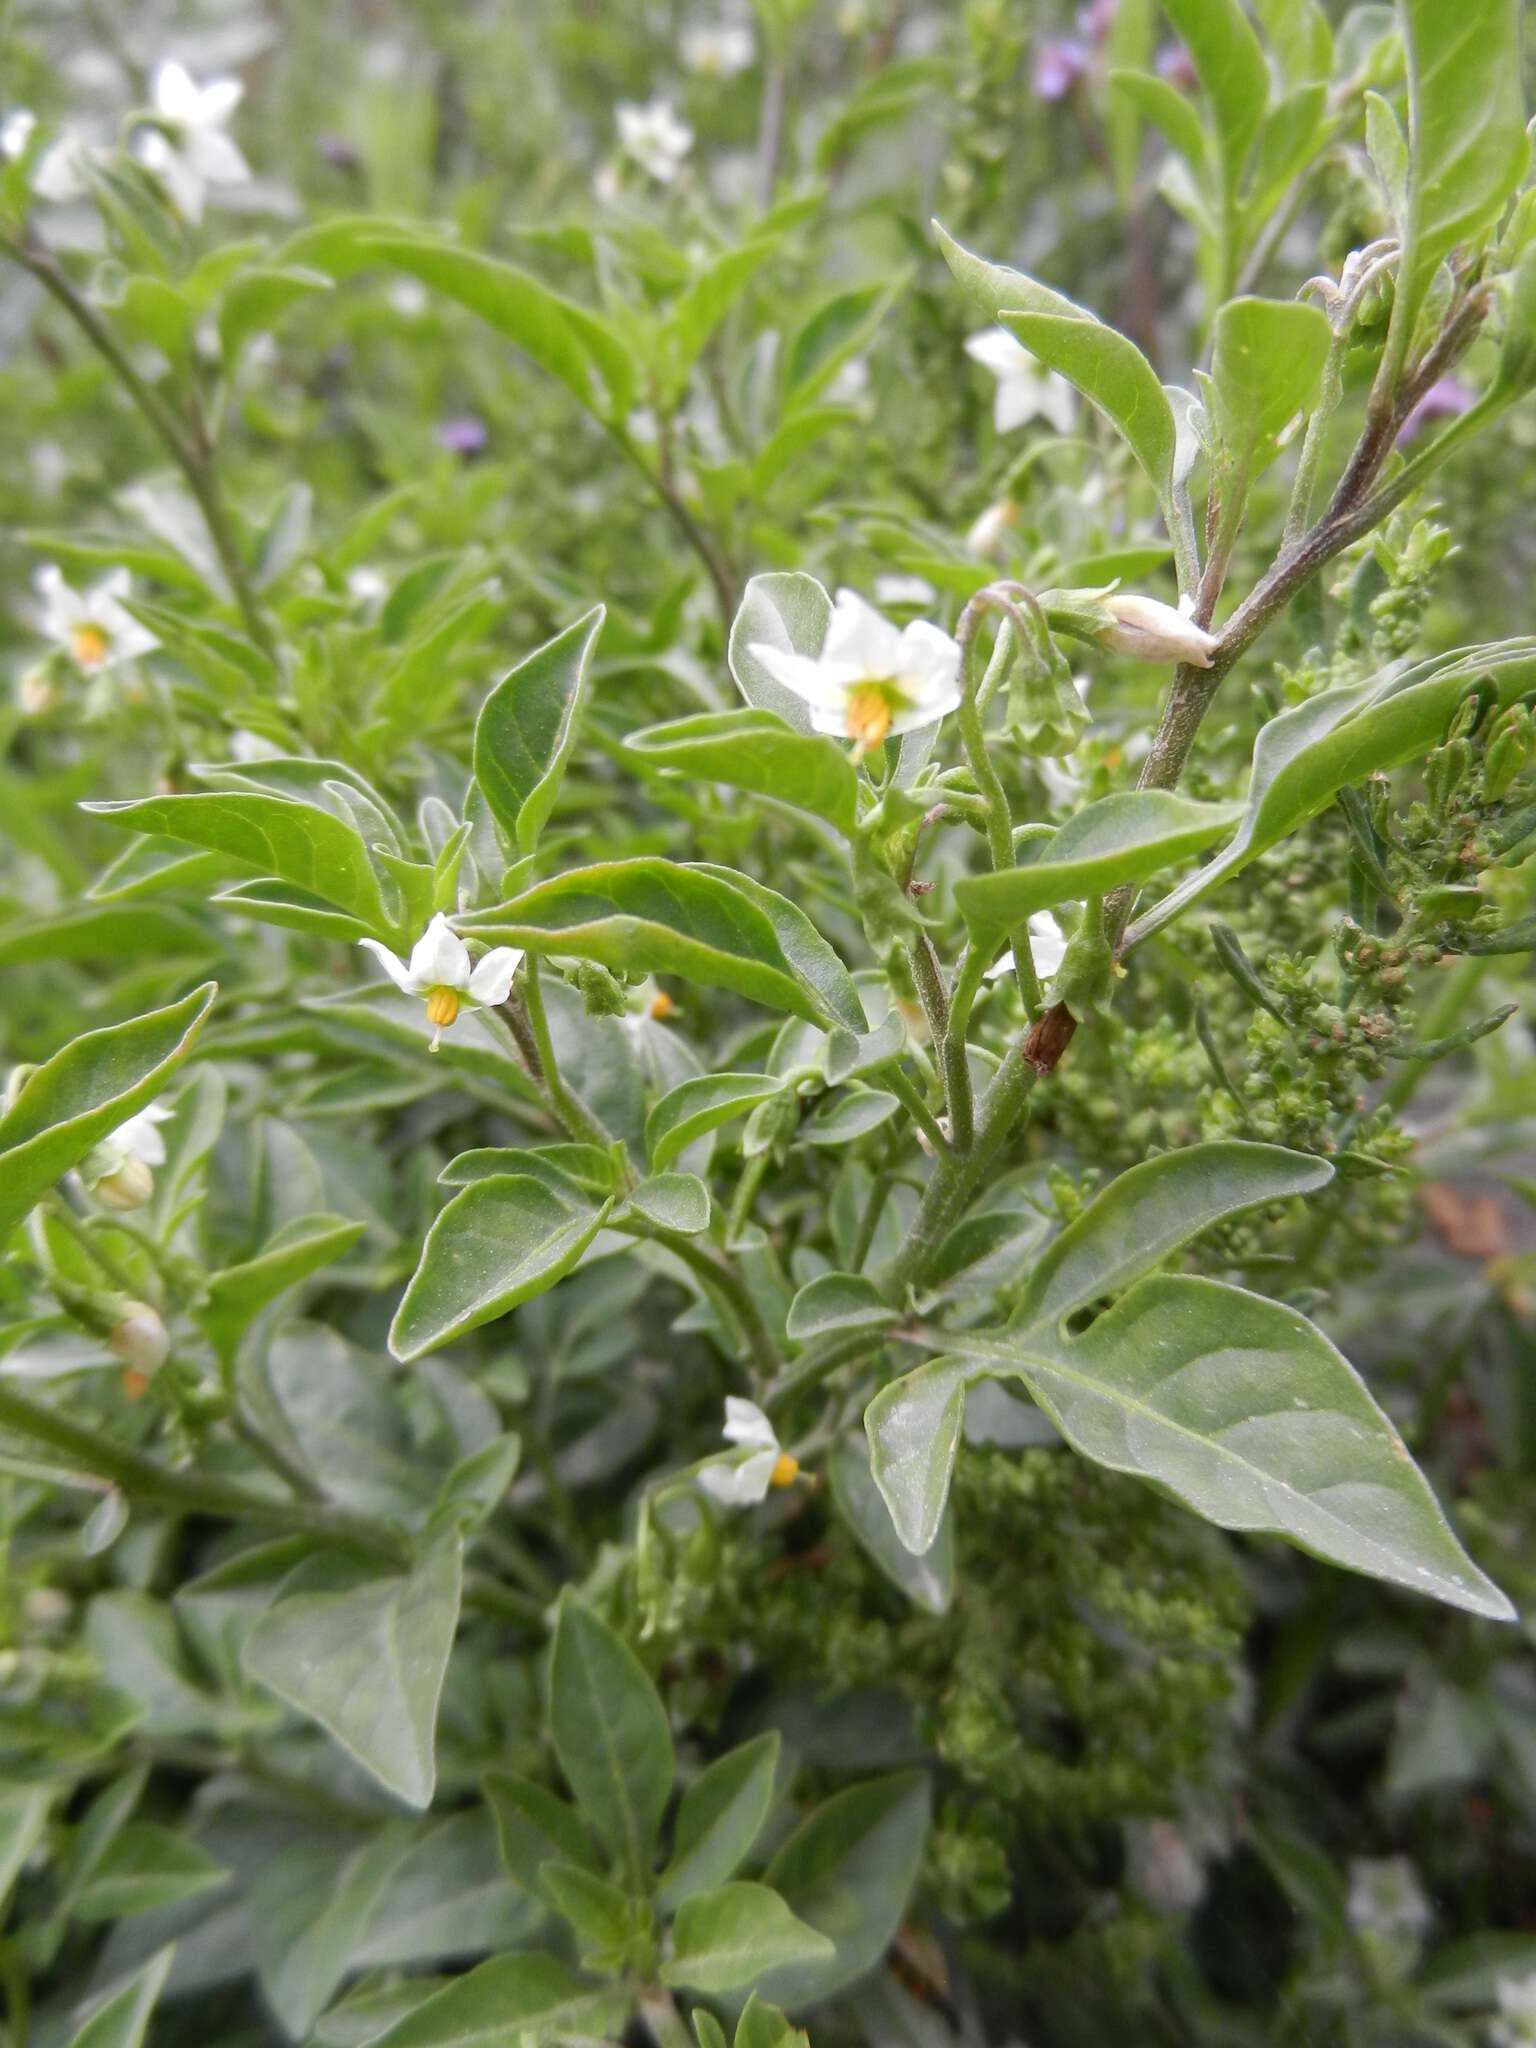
<point>837,329</point>
<point>1111,371</point>
<point>1242,1409</point>
<point>1266,366</point>
<point>696,1107</point>
<point>477,1484</point>
<point>237,1294</point>
<point>725,1939</point>
<point>1229,62</point>
<point>311,1909</point>
<point>146,1867</point>
<point>849,1116</point>
<point>298,843</point>
<point>514,2001</point>
<point>610,1733</point>
<point>787,610</point>
<point>928,1579</point>
<point>23,1817</point>
<point>1152,1209</point>
<point>1121,838</point>
<point>672,1201</point>
<point>705,924</point>
<point>85,1091</point>
<point>993,289</point>
<point>1168,109</point>
<point>1304,756</point>
<point>528,727</point>
<point>271,903</point>
<point>848,1870</point>
<point>497,1243</point>
<point>567,340</point>
<point>913,1425</point>
<point>703,303</point>
<point>755,750</point>
<point>534,1826</point>
<point>763,2026</point>
<point>836,1301</point>
<point>1467,145</point>
<point>719,1818</point>
<point>365,1654</point>
<point>1517,354</point>
<point>568,1168</point>
<point>601,1914</point>
<point>259,297</point>
<point>121,2020</point>
<point>708,2030</point>
<point>1299,34</point>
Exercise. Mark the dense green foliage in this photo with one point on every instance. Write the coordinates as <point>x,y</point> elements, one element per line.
<point>638,786</point>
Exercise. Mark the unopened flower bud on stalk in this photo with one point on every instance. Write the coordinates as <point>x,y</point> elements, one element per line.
<point>1152,631</point>
<point>140,1339</point>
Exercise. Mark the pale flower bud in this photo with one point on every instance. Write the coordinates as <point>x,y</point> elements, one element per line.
<point>1152,631</point>
<point>140,1339</point>
<point>991,527</point>
<point>129,1186</point>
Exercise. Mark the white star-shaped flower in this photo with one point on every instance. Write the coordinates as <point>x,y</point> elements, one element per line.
<point>654,137</point>
<point>1047,948</point>
<point>91,627</point>
<point>188,150</point>
<point>439,969</point>
<point>719,49</point>
<point>118,1170</point>
<point>1025,391</point>
<point>869,679</point>
<point>742,1481</point>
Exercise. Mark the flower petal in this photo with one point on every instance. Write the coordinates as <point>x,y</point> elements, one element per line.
<point>739,1484</point>
<point>215,158</point>
<point>176,98</point>
<point>929,666</point>
<point>392,965</point>
<point>440,958</point>
<point>491,978</point>
<point>797,672</point>
<point>997,350</point>
<point>859,639</point>
<point>745,1423</point>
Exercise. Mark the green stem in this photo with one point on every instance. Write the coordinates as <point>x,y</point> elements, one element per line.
<point>957,1073</point>
<point>869,1222</point>
<point>190,1493</point>
<point>1442,1017</point>
<point>192,458</point>
<point>720,1281</point>
<point>911,1100</point>
<point>574,1114</point>
<point>817,1362</point>
<point>747,1185</point>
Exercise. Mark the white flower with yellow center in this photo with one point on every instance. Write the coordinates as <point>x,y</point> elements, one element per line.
<point>1025,389</point>
<point>742,1481</point>
<point>92,627</point>
<point>870,680</point>
<point>654,137</point>
<point>439,969</point>
<point>188,149</point>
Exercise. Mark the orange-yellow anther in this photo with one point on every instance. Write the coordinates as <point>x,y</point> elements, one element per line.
<point>442,1006</point>
<point>135,1384</point>
<point>867,715</point>
<point>662,1006</point>
<point>785,1470</point>
<point>88,644</point>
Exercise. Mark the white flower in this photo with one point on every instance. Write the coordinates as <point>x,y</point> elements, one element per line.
<point>1025,391</point>
<point>741,1482</point>
<point>870,680</point>
<point>439,969</point>
<point>188,149</point>
<point>1047,948</point>
<point>366,585</point>
<point>59,173</point>
<point>1515,2026</point>
<point>850,383</point>
<point>1153,631</point>
<point>16,132</point>
<point>719,50</point>
<point>118,1169</point>
<point>1386,1898</point>
<point>92,628</point>
<point>991,528</point>
<point>904,590</point>
<point>654,137</point>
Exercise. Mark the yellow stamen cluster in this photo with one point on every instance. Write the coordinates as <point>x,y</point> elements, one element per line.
<point>867,715</point>
<point>442,1006</point>
<point>662,1006</point>
<point>88,644</point>
<point>785,1470</point>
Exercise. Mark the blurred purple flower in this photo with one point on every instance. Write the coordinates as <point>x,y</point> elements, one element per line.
<point>1059,64</point>
<point>1093,21</point>
<point>336,151</point>
<point>1173,63</point>
<point>465,436</point>
<point>1445,400</point>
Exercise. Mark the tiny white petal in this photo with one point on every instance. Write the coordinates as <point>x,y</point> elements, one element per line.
<point>739,1484</point>
<point>176,97</point>
<point>859,637</point>
<point>745,1423</point>
<point>439,958</point>
<point>398,972</point>
<point>490,980</point>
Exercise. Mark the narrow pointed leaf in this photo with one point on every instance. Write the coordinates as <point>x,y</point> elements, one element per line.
<point>122,2019</point>
<point>725,1939</point>
<point>610,1733</point>
<point>1111,371</point>
<point>522,2000</point>
<point>528,726</point>
<point>719,1818</point>
<point>85,1091</point>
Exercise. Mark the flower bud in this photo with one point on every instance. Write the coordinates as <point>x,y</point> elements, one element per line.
<point>1152,631</point>
<point>140,1339</point>
<point>128,1186</point>
<point>991,528</point>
